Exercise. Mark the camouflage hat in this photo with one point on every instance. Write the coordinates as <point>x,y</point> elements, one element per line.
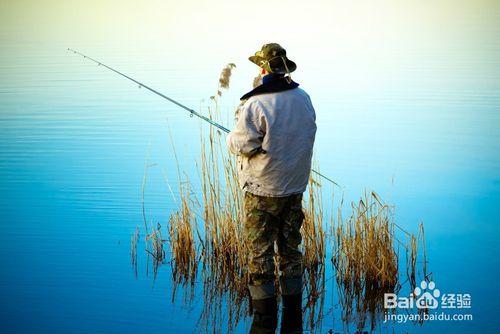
<point>272,58</point>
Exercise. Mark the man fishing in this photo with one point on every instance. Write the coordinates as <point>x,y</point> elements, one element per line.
<point>273,139</point>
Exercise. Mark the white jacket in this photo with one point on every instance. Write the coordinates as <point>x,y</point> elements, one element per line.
<point>284,125</point>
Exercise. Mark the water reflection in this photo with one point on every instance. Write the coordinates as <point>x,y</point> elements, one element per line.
<point>371,255</point>
<point>365,260</point>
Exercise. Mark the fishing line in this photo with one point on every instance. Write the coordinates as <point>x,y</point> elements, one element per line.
<point>191,111</point>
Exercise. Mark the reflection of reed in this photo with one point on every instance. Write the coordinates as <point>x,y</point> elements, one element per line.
<point>313,244</point>
<point>314,292</point>
<point>134,239</point>
<point>367,260</point>
<point>183,248</point>
<point>365,254</point>
<point>412,264</point>
<point>155,249</point>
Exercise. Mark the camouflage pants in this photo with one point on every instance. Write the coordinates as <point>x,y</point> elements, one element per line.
<point>270,220</point>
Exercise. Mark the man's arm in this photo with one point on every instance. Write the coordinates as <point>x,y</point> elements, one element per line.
<point>246,138</point>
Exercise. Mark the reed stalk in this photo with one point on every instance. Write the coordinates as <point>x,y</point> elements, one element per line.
<point>365,246</point>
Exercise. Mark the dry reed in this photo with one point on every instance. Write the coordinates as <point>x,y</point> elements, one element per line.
<point>182,245</point>
<point>225,75</point>
<point>367,261</point>
<point>365,256</point>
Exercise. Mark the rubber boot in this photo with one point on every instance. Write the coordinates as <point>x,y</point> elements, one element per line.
<point>291,317</point>
<point>265,316</point>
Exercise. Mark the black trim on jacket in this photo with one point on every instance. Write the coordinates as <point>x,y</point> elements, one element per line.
<point>273,85</point>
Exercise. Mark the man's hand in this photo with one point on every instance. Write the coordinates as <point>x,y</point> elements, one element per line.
<point>247,136</point>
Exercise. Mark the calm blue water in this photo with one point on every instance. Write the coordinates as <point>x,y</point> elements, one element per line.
<point>424,132</point>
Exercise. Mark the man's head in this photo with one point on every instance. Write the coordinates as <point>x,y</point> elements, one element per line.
<point>271,58</point>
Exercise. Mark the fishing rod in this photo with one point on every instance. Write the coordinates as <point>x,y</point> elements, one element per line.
<point>191,111</point>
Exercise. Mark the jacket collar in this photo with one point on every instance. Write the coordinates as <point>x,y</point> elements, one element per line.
<point>271,83</point>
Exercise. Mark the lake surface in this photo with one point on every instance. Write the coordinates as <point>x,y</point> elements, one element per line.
<point>422,129</point>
